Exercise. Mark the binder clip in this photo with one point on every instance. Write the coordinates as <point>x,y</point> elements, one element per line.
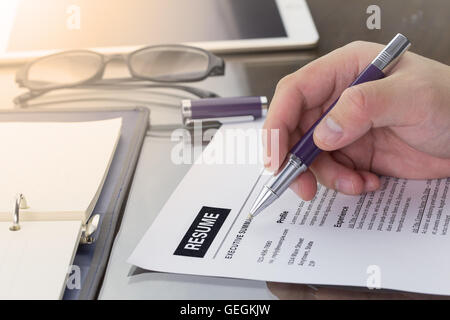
<point>20,203</point>
<point>223,110</point>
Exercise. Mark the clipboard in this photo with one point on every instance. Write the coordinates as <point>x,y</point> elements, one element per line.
<point>90,261</point>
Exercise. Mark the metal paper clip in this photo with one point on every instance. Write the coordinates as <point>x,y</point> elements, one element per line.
<point>88,230</point>
<point>20,203</point>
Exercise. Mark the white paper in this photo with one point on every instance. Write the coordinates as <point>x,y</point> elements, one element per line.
<point>35,260</point>
<point>59,167</point>
<point>395,238</point>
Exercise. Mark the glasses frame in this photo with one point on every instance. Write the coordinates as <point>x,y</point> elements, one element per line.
<point>216,67</point>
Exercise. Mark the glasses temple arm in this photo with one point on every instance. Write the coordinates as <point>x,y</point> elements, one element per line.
<point>201,93</point>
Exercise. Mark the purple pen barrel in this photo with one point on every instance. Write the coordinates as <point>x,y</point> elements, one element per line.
<point>306,150</point>
<point>224,108</point>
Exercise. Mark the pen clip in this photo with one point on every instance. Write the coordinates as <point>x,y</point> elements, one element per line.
<point>19,203</point>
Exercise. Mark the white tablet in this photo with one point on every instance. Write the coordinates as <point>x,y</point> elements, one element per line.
<point>32,28</point>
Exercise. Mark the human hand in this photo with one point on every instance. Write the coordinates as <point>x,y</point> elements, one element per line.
<point>292,291</point>
<point>397,126</point>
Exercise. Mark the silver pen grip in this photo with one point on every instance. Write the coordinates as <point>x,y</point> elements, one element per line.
<point>293,168</point>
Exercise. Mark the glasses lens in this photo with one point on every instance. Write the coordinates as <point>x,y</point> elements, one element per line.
<point>63,69</point>
<point>170,64</point>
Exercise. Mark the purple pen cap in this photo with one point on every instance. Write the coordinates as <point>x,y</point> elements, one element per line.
<point>224,110</point>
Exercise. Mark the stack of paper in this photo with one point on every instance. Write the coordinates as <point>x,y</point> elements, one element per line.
<point>60,169</point>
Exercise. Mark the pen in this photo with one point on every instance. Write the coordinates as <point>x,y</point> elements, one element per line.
<point>233,109</point>
<point>305,151</point>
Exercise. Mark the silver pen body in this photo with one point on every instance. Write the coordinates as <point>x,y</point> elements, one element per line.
<point>277,184</point>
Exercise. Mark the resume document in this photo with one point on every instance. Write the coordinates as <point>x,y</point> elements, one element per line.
<point>394,238</point>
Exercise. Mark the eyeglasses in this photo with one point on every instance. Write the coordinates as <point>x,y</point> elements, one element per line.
<point>164,64</point>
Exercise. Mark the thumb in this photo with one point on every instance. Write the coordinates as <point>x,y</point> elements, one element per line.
<point>362,107</point>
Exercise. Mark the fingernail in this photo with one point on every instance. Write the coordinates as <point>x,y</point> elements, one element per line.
<point>267,161</point>
<point>370,186</point>
<point>295,187</point>
<point>345,186</point>
<point>329,131</point>
<point>268,165</point>
<point>270,168</point>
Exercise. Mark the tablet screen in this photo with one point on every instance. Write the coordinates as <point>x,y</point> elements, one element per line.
<point>68,24</point>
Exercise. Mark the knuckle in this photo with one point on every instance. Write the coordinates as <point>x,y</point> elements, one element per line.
<point>355,102</point>
<point>356,44</point>
<point>426,98</point>
<point>284,82</point>
<point>426,91</point>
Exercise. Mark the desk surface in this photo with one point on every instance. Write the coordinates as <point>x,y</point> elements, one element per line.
<point>425,22</point>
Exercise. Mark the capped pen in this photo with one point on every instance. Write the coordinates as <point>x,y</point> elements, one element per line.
<point>305,151</point>
<point>234,109</point>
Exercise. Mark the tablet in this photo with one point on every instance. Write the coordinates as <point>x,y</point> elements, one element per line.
<point>32,28</point>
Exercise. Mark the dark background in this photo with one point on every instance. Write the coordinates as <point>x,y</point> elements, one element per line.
<point>425,22</point>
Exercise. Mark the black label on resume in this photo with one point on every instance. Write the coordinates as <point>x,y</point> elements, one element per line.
<point>202,232</point>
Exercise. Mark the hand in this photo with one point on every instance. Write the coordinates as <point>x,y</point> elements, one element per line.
<point>292,291</point>
<point>397,126</point>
